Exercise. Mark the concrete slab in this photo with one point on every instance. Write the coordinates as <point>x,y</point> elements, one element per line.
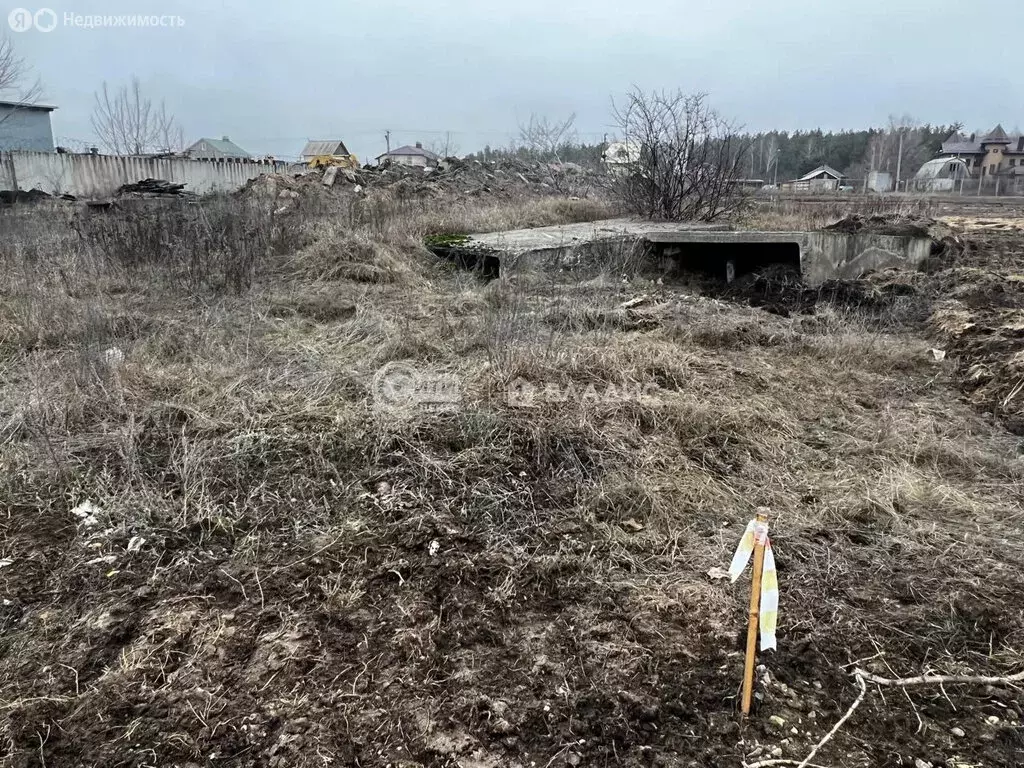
<point>621,243</point>
<point>517,241</point>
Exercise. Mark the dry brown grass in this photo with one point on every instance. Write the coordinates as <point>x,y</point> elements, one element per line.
<point>786,214</point>
<point>284,602</point>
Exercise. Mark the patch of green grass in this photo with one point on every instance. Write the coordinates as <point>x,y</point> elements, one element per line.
<point>445,241</point>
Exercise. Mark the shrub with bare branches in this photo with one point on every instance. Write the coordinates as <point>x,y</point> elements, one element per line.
<point>16,82</point>
<point>689,158</point>
<point>130,123</point>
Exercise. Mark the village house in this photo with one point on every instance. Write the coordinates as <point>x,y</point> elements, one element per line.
<point>332,148</point>
<point>993,155</point>
<point>407,155</point>
<point>824,178</point>
<point>217,149</point>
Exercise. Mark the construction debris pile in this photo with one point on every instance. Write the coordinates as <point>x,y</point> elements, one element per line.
<point>453,177</point>
<point>152,188</point>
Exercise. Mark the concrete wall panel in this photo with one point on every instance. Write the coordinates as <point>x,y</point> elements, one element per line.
<point>99,176</point>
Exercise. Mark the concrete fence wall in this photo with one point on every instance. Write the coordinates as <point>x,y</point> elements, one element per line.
<point>99,176</point>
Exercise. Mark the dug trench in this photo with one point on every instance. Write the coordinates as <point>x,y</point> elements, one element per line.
<point>273,570</point>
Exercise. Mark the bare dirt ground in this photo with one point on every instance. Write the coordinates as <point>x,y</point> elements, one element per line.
<point>217,548</point>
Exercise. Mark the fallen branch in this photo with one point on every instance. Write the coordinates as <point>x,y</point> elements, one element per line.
<point>864,677</point>
<point>835,728</point>
<point>905,682</point>
<point>806,762</point>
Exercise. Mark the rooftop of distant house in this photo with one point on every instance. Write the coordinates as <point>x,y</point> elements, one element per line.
<point>223,146</point>
<point>409,150</point>
<point>332,147</point>
<point>822,170</point>
<point>975,144</point>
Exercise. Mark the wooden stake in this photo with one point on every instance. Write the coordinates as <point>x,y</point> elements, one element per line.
<point>755,604</point>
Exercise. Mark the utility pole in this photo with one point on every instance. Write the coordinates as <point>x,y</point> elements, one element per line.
<point>899,161</point>
<point>387,139</point>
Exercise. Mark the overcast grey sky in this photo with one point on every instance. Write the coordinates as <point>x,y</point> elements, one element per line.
<point>272,74</point>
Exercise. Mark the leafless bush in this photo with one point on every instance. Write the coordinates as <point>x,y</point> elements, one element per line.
<point>545,136</point>
<point>689,161</point>
<point>16,83</point>
<point>129,123</point>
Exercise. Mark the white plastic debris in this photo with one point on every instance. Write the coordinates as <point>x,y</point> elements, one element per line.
<point>6,562</point>
<point>106,560</point>
<point>86,513</point>
<point>112,357</point>
<point>135,543</point>
<point>434,548</point>
<point>938,355</point>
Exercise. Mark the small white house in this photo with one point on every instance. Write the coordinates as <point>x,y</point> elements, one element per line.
<point>618,156</point>
<point>417,156</point>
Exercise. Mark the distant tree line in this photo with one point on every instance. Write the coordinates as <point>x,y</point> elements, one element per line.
<point>784,155</point>
<point>580,153</point>
<point>902,144</point>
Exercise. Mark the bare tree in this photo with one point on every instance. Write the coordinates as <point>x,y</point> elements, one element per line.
<point>546,137</point>
<point>899,149</point>
<point>444,146</point>
<point>690,157</point>
<point>129,123</point>
<point>16,81</point>
<point>170,133</point>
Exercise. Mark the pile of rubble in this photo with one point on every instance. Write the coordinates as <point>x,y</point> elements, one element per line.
<point>452,177</point>
<point>152,188</point>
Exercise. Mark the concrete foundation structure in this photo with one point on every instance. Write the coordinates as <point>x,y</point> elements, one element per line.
<point>629,245</point>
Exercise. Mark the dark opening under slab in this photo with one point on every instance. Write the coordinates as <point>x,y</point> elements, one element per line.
<point>729,260</point>
<point>487,265</point>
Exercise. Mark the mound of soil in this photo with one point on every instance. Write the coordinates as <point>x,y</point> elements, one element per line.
<point>878,224</point>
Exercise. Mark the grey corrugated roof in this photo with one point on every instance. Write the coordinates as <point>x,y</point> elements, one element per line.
<point>407,150</point>
<point>328,147</point>
<point>224,147</point>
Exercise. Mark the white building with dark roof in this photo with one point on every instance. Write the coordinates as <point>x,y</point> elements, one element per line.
<point>407,155</point>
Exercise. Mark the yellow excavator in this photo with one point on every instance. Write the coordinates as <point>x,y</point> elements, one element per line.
<point>341,161</point>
